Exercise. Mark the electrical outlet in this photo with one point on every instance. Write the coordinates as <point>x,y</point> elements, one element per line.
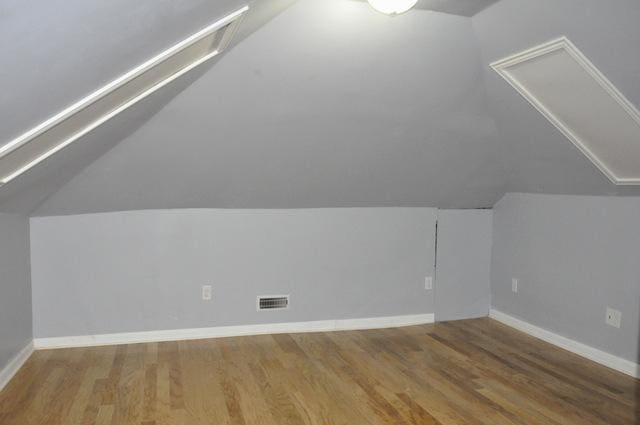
<point>614,317</point>
<point>428,283</point>
<point>514,285</point>
<point>206,292</point>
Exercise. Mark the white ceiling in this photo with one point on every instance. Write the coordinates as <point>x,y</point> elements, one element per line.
<point>454,7</point>
<point>327,104</point>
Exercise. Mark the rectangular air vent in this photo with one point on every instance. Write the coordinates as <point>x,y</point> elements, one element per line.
<point>273,302</point>
<point>568,90</point>
<point>24,152</point>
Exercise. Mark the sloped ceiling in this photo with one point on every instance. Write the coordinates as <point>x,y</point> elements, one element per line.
<point>455,7</point>
<point>57,53</point>
<point>537,156</point>
<point>328,104</point>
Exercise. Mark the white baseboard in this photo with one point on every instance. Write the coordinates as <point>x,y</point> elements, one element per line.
<point>622,365</point>
<point>15,364</point>
<point>227,331</point>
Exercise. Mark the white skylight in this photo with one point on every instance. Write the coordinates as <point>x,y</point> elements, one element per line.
<point>39,143</point>
<point>561,83</point>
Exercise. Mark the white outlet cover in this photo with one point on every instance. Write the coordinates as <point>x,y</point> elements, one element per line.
<point>614,317</point>
<point>206,292</point>
<point>514,285</point>
<point>428,283</point>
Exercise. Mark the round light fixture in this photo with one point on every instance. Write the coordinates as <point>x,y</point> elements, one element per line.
<point>392,7</point>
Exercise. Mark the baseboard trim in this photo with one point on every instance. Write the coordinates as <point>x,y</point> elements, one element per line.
<point>609,360</point>
<point>15,364</point>
<point>228,331</point>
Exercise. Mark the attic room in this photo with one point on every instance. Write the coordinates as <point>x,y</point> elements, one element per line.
<point>320,212</point>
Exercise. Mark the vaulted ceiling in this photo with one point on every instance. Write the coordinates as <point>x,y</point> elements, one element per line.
<point>319,103</point>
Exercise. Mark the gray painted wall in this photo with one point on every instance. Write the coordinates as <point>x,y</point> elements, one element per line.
<point>462,287</point>
<point>143,270</point>
<point>573,256</point>
<point>15,286</point>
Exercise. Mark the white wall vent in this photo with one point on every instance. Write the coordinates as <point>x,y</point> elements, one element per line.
<point>273,302</point>
<point>565,87</point>
<point>62,129</point>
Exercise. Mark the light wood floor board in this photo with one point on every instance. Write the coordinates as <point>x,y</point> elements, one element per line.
<point>466,372</point>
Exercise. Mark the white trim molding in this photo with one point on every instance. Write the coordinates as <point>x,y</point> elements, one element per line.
<point>111,107</point>
<point>15,364</point>
<point>609,360</point>
<point>502,67</point>
<point>229,331</point>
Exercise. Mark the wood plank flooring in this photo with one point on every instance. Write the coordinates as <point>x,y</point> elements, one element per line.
<point>466,372</point>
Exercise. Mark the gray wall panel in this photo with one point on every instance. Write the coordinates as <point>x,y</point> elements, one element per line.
<point>573,256</point>
<point>143,270</point>
<point>15,286</point>
<point>463,269</point>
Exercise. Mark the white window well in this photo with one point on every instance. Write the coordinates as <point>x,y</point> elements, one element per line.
<point>565,87</point>
<point>26,151</point>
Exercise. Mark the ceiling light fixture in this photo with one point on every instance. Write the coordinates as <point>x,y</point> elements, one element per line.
<point>392,7</point>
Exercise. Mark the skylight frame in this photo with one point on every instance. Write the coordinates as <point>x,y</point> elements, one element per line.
<point>563,43</point>
<point>231,23</point>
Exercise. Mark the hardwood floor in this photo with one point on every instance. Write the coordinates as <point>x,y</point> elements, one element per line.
<point>466,372</point>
